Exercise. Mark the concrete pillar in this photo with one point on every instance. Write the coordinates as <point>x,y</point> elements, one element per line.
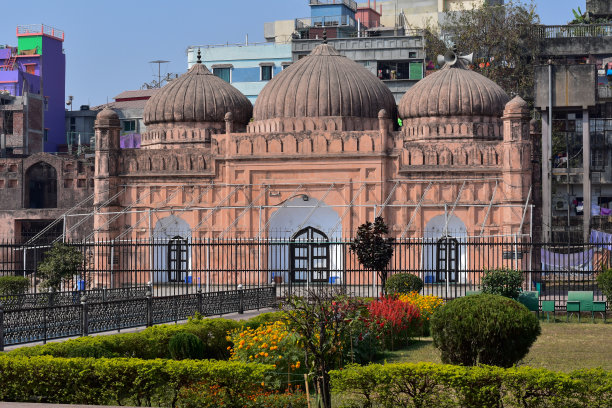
<point>546,180</point>
<point>586,174</point>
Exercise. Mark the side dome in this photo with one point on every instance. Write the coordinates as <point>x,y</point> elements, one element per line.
<point>107,118</point>
<point>197,96</point>
<point>455,90</point>
<point>323,91</point>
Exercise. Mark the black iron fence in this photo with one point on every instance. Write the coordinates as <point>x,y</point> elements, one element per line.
<point>449,267</point>
<point>26,325</point>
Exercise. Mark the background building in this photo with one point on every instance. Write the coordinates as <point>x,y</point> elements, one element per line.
<point>38,65</point>
<point>580,67</point>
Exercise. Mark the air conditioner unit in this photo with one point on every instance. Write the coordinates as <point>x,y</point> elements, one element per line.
<point>560,205</point>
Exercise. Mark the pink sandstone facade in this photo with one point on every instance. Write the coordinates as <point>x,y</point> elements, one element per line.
<point>321,155</point>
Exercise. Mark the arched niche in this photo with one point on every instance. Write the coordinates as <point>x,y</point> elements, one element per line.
<point>444,259</point>
<point>172,250</point>
<point>40,186</point>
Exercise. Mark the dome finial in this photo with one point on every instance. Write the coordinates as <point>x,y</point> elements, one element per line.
<point>199,56</point>
<point>325,36</point>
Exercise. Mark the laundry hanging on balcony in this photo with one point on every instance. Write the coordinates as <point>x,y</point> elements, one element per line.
<point>575,262</point>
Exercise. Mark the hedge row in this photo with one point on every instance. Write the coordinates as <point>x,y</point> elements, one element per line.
<point>428,385</point>
<point>150,343</point>
<point>119,381</point>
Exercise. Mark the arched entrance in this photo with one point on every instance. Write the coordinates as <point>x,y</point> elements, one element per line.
<point>444,258</point>
<point>41,186</point>
<point>309,256</point>
<point>171,250</point>
<point>297,220</point>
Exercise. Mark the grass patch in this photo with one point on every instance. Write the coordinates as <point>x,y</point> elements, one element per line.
<point>560,347</point>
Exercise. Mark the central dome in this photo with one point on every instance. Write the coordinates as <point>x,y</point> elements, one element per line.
<point>324,84</point>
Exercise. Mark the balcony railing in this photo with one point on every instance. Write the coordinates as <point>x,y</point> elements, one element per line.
<point>604,92</point>
<point>325,21</point>
<point>574,31</point>
<point>40,29</point>
<point>348,3</point>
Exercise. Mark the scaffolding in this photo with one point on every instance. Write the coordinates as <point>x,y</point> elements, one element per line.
<point>254,203</point>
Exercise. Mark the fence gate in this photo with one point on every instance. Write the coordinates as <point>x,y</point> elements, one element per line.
<point>447,256</point>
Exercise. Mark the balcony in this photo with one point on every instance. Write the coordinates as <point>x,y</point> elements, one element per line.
<point>40,29</point>
<point>348,3</point>
<point>325,21</point>
<point>604,92</point>
<point>574,31</point>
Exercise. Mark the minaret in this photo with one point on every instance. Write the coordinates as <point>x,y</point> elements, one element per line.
<point>107,127</point>
<point>516,163</point>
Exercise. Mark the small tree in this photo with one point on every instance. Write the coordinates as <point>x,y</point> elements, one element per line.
<point>372,249</point>
<point>60,264</point>
<point>604,282</point>
<point>323,321</point>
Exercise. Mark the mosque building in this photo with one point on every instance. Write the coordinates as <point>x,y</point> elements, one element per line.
<point>319,154</point>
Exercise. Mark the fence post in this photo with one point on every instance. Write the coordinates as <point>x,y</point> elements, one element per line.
<point>1,328</point>
<point>240,299</point>
<point>85,323</point>
<point>149,296</point>
<point>199,291</point>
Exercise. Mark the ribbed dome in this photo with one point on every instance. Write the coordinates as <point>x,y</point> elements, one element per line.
<point>197,96</point>
<point>324,84</point>
<point>453,91</point>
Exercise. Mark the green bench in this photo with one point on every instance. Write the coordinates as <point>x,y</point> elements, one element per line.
<point>472,292</point>
<point>579,301</point>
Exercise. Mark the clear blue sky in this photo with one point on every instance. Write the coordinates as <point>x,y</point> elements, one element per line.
<point>109,43</point>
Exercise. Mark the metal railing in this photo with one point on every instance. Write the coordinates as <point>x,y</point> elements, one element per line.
<point>604,92</point>
<point>226,264</point>
<point>573,31</point>
<point>351,4</point>
<point>84,317</point>
<point>34,29</point>
<point>325,21</point>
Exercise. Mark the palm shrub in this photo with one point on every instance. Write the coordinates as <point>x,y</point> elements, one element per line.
<point>186,346</point>
<point>503,282</point>
<point>484,329</point>
<point>604,282</point>
<point>403,283</point>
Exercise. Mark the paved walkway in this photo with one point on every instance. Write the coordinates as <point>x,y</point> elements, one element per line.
<point>233,316</point>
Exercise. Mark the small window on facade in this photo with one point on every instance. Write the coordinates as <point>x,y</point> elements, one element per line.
<point>31,69</point>
<point>129,125</point>
<point>266,73</point>
<point>223,73</point>
<point>8,122</point>
<point>412,54</point>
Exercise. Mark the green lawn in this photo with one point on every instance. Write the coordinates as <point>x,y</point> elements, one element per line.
<point>560,347</point>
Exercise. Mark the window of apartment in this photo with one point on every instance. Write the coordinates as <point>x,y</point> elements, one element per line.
<point>285,64</point>
<point>223,71</point>
<point>8,122</point>
<point>129,125</point>
<point>30,68</point>
<point>400,70</point>
<point>266,71</point>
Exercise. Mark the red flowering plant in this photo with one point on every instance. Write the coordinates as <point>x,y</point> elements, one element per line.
<point>394,320</point>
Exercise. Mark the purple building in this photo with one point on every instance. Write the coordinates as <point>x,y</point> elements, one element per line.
<point>38,65</point>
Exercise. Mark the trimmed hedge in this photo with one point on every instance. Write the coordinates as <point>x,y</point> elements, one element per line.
<point>13,285</point>
<point>150,343</point>
<point>119,381</point>
<point>428,385</point>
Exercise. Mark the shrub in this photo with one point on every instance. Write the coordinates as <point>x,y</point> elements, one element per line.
<point>206,396</point>
<point>394,319</point>
<point>269,317</point>
<point>403,283</point>
<point>13,285</point>
<point>118,381</point>
<point>428,384</point>
<point>186,346</point>
<point>503,282</point>
<point>604,282</point>
<point>271,343</point>
<point>484,329</point>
